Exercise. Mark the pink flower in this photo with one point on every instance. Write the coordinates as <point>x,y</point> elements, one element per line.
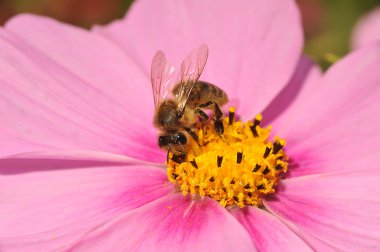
<point>80,167</point>
<point>367,29</point>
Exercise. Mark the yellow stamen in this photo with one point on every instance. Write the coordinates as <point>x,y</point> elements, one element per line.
<point>236,168</point>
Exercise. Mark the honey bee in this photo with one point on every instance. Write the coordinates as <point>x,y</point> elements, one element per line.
<point>179,102</point>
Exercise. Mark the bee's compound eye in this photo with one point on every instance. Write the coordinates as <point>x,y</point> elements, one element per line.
<point>181,139</point>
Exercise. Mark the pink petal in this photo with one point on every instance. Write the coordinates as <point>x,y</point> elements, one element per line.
<point>285,105</point>
<point>67,88</point>
<point>49,202</point>
<point>367,30</point>
<point>335,126</point>
<point>254,45</point>
<point>268,232</point>
<point>173,223</point>
<point>82,155</point>
<point>340,209</point>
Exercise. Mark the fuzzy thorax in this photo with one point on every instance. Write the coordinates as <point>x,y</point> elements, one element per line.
<point>236,168</point>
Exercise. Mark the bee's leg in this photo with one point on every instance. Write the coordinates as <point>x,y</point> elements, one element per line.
<point>202,114</point>
<point>217,112</point>
<point>217,115</point>
<point>192,134</point>
<point>219,128</point>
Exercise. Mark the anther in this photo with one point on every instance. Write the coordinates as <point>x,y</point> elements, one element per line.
<point>260,187</point>
<point>231,115</point>
<point>219,160</point>
<point>266,170</point>
<point>175,175</point>
<point>253,130</point>
<point>278,167</point>
<point>257,167</point>
<point>267,151</point>
<point>239,157</point>
<point>247,186</point>
<point>232,181</point>
<point>277,146</point>
<point>212,179</point>
<point>256,123</point>
<point>194,164</point>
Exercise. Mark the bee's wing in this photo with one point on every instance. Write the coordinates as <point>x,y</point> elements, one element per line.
<point>191,69</point>
<point>162,77</point>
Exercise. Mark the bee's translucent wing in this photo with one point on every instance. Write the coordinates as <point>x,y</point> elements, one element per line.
<point>191,69</point>
<point>162,77</point>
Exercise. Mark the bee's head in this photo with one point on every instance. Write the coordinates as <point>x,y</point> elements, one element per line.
<point>167,115</point>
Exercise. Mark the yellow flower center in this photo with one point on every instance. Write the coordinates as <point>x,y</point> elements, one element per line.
<point>235,168</point>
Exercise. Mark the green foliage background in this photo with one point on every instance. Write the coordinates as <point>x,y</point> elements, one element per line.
<point>338,22</point>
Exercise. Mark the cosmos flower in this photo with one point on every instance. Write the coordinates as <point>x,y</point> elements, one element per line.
<point>81,170</point>
<point>367,29</point>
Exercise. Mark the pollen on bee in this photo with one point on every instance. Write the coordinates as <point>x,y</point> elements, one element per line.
<point>236,168</point>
